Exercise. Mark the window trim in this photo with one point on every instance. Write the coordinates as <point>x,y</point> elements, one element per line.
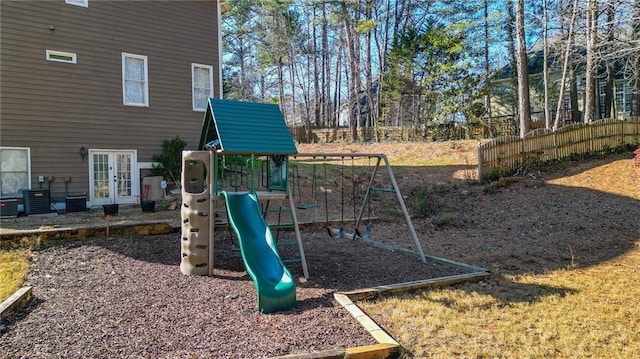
<point>146,80</point>
<point>82,3</point>
<point>49,55</point>
<point>193,83</point>
<point>621,91</point>
<point>28,149</point>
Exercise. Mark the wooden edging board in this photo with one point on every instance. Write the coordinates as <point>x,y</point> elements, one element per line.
<point>81,232</point>
<point>14,301</point>
<point>386,346</point>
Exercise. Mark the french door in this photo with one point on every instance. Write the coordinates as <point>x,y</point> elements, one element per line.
<point>111,177</point>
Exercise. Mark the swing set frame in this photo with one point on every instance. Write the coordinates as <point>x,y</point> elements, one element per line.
<point>380,160</point>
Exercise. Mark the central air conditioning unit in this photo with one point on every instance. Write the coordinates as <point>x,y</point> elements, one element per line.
<point>36,201</point>
<point>8,207</point>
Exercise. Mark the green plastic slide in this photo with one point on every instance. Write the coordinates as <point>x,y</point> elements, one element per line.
<point>275,286</point>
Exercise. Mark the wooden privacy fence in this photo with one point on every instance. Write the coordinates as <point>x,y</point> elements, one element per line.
<point>510,154</point>
<point>418,134</point>
<point>423,133</point>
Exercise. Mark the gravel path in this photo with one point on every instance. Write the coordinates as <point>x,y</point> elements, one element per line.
<point>126,298</point>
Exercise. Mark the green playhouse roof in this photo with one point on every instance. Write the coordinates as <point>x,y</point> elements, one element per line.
<point>246,127</point>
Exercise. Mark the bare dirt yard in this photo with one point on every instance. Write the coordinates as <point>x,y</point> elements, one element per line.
<point>126,297</point>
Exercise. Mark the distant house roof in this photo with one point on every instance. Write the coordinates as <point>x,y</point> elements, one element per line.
<point>535,64</point>
<point>246,127</point>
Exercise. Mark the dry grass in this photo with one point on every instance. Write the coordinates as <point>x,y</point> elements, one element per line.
<point>573,312</point>
<point>14,267</point>
<point>618,177</point>
<point>592,312</point>
<point>407,154</point>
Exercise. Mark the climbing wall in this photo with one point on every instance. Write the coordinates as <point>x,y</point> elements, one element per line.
<point>196,244</point>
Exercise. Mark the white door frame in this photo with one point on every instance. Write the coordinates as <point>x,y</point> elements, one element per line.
<point>112,179</point>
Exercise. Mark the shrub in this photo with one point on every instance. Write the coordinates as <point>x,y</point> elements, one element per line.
<point>169,162</point>
<point>421,203</point>
<point>494,174</point>
<point>424,202</point>
<point>636,159</point>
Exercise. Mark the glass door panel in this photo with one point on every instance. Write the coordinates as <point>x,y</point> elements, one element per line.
<point>111,177</point>
<point>124,177</point>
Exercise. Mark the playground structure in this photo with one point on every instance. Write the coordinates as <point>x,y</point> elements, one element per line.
<point>247,155</point>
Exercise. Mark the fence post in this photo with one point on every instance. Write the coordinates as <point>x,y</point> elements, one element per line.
<point>522,155</point>
<point>480,162</point>
<point>556,150</point>
<point>591,146</point>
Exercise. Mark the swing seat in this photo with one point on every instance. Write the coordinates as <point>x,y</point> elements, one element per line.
<point>367,232</point>
<point>336,233</point>
<point>341,233</point>
<point>307,205</point>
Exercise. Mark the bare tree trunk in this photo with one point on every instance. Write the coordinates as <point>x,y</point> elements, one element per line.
<point>338,85</point>
<point>573,96</point>
<point>317,109</point>
<point>283,106</point>
<point>487,68</point>
<point>306,108</point>
<point>565,66</point>
<point>590,72</point>
<point>353,100</point>
<point>368,121</point>
<point>545,65</point>
<point>263,89</point>
<point>635,109</point>
<point>292,80</point>
<point>398,14</point>
<point>326,71</point>
<point>243,68</point>
<point>382,56</point>
<point>609,99</point>
<point>524,108</point>
<point>574,112</point>
<point>511,20</point>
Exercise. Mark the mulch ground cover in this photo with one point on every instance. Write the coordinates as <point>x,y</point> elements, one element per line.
<point>126,297</point>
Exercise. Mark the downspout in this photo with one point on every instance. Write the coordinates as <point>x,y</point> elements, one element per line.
<point>219,16</point>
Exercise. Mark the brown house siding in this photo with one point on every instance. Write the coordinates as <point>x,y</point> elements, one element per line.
<point>55,108</point>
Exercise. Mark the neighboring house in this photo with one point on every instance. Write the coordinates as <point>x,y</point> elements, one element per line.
<point>344,115</point>
<point>90,89</point>
<point>503,101</point>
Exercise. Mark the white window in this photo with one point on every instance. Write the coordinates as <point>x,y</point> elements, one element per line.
<point>202,85</point>
<point>623,92</point>
<point>135,83</point>
<point>61,56</point>
<point>15,170</point>
<point>83,3</point>
<point>602,92</point>
<point>624,97</point>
